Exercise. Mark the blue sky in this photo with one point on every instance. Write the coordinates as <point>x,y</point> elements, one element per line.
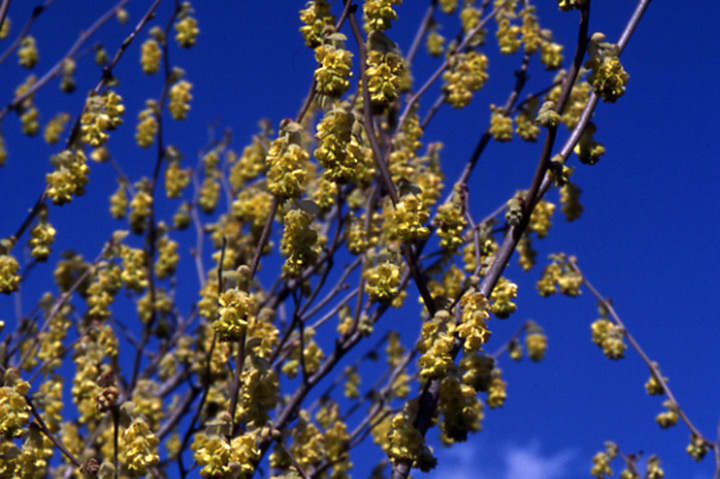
<point>648,236</point>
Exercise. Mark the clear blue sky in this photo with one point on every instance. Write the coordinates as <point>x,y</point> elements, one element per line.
<point>648,237</point>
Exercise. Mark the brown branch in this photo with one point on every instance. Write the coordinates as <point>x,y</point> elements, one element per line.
<point>414,98</point>
<point>654,368</point>
<point>55,440</point>
<point>35,13</point>
<point>422,29</point>
<point>57,69</point>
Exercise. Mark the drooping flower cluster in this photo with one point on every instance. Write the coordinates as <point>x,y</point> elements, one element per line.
<point>501,298</point>
<point>405,221</point>
<point>450,226</point>
<point>608,77</point>
<point>334,64</point>
<point>315,17</point>
<point>609,337</point>
<point>299,242</point>
<point>436,346</point>
<point>150,55</point>
<point>69,178</point>
<point>334,136</point>
<point>179,99</point>
<point>286,162</point>
<point>384,72</point>
<point>559,275</point>
<point>147,126</point>
<point>383,279</point>
<point>14,410</point>
<point>466,74</point>
<point>236,309</point>
<point>186,27</point>
<point>27,53</point>
<point>379,14</point>
<point>102,113</point>
<point>462,411</point>
<point>473,328</point>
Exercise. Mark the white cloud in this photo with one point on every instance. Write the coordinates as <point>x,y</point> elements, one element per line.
<point>479,459</point>
<point>528,462</point>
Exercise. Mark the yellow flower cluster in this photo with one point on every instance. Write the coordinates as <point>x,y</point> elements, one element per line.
<point>559,275</point>
<point>654,471</point>
<point>134,273</point>
<point>570,201</point>
<point>406,442</point>
<point>101,293</point>
<point>536,343</point>
<point>607,77</point>
<point>150,55</point>
<point>551,53</point>
<point>461,409</point>
<point>224,459</point>
<point>609,337</point>
<point>669,417</point>
<point>470,19</point>
<point>467,73</point>
<point>448,6</point>
<point>496,390</point>
<point>312,355</point>
<point>55,128</point>
<point>179,99</point>
<point>236,309</point>
<point>530,29</point>
<point>450,226</point>
<point>588,150</point>
<point>141,448</point>
<point>526,128</point>
<point>384,73</point>
<point>405,221</point>
<point>436,346</point>
<point>507,35</point>
<point>570,4</point>
<point>119,203</point>
<point>27,53</point>
<point>540,218</point>
<point>382,281</point>
<point>315,17</point>
<point>140,207</point>
<point>148,403</point>
<point>29,121</point>
<point>501,298</point>
<point>259,392</point>
<point>435,43</point>
<point>14,410</point>
<point>209,194</point>
<point>176,180</point>
<point>42,236</point>
<point>299,242</point>
<point>334,135</point>
<point>251,163</point>
<point>186,27</point>
<point>147,126</point>
<point>69,178</point>
<point>379,14</point>
<point>576,104</point>
<point>501,125</point>
<point>473,328</point>
<point>5,28</point>
<point>601,466</point>
<point>167,258</point>
<point>653,386</point>
<point>698,447</point>
<point>287,163</point>
<point>102,113</point>
<point>334,66</point>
